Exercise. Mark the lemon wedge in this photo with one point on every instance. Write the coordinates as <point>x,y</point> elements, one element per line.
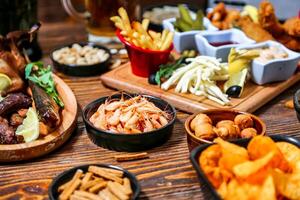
<point>29,129</point>
<point>5,82</point>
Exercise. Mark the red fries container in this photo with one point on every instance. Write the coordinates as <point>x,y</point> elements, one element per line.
<point>144,61</point>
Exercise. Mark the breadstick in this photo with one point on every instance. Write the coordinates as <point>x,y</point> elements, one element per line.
<point>127,186</point>
<point>77,175</point>
<point>69,190</point>
<point>115,189</point>
<point>75,197</point>
<point>86,179</point>
<point>91,184</point>
<point>104,174</point>
<point>87,195</point>
<point>107,195</point>
<point>98,187</point>
<point>117,173</point>
<point>128,157</point>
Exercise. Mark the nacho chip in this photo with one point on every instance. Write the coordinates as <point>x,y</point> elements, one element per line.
<point>287,185</point>
<point>259,146</point>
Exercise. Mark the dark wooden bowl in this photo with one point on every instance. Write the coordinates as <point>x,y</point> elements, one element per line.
<point>217,115</point>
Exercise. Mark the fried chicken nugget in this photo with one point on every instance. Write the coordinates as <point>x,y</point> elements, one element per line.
<point>292,26</point>
<point>253,30</point>
<point>268,19</point>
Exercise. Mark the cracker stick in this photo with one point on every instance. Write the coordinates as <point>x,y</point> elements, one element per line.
<point>90,184</point>
<point>127,186</point>
<point>116,190</point>
<point>128,157</point>
<point>98,187</point>
<point>75,197</point>
<point>69,190</point>
<point>87,177</point>
<point>99,171</point>
<point>76,176</point>
<point>115,172</point>
<point>107,195</point>
<point>87,195</point>
<point>145,24</point>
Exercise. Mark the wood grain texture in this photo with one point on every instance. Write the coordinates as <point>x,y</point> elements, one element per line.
<point>253,97</point>
<point>167,174</point>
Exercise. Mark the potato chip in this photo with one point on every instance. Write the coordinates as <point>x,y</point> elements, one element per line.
<point>259,146</point>
<point>231,154</point>
<point>267,191</point>
<point>287,185</point>
<point>208,161</point>
<point>290,152</point>
<point>244,191</point>
<point>254,170</point>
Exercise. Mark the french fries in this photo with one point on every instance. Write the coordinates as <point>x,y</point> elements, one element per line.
<point>138,34</point>
<point>98,183</point>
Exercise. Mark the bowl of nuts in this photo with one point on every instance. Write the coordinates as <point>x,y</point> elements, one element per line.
<point>228,124</point>
<point>83,59</point>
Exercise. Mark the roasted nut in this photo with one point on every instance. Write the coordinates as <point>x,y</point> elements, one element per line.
<point>248,133</point>
<point>79,55</point>
<point>200,119</point>
<point>243,121</point>
<point>205,131</point>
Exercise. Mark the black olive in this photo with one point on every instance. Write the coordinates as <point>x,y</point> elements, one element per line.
<point>151,79</point>
<point>234,91</point>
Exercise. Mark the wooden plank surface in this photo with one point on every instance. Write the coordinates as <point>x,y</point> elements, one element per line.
<point>253,97</point>
<point>167,174</point>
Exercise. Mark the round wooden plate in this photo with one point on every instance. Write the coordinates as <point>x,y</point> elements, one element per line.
<point>42,146</point>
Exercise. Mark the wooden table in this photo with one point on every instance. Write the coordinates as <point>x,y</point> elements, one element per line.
<point>168,173</point>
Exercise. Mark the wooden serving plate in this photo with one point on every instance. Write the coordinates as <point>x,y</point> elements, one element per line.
<point>253,97</point>
<point>42,146</point>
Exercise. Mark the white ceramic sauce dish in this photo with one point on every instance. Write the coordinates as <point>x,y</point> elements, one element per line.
<point>186,40</point>
<point>278,69</point>
<point>218,43</point>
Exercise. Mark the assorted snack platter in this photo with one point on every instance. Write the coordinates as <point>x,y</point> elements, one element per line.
<point>253,97</point>
<point>230,77</point>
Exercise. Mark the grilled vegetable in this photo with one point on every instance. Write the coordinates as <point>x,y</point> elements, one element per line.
<point>48,110</point>
<point>42,76</point>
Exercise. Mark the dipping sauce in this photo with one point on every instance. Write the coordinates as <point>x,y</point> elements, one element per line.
<point>271,53</point>
<point>217,44</point>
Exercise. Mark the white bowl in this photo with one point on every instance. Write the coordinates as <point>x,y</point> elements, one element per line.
<point>186,40</point>
<point>273,70</point>
<point>204,47</point>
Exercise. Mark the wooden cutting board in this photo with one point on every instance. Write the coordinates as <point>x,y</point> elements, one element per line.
<point>253,97</point>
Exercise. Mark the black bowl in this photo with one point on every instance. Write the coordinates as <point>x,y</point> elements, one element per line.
<point>297,103</point>
<point>68,174</point>
<point>242,142</point>
<point>128,142</point>
<point>82,70</point>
